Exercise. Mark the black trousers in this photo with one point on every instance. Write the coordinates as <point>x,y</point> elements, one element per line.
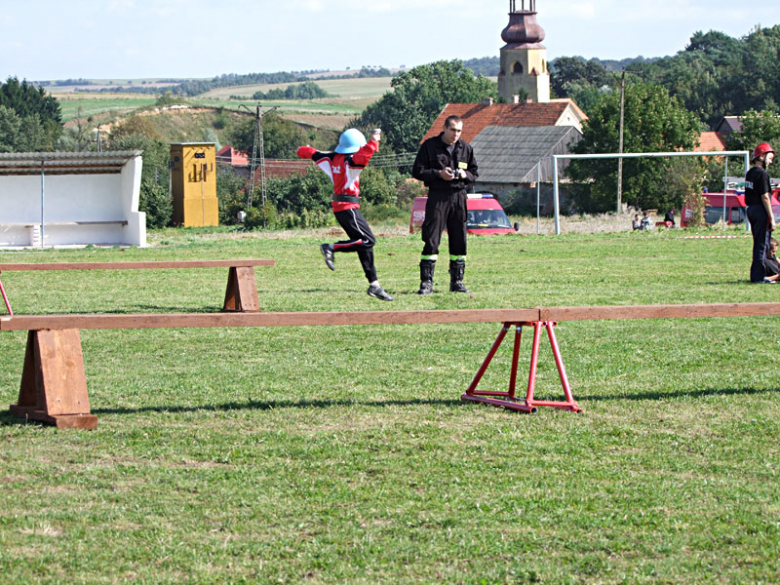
<point>445,210</point>
<point>361,240</point>
<point>761,233</point>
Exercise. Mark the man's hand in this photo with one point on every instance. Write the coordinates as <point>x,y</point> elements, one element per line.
<point>449,174</point>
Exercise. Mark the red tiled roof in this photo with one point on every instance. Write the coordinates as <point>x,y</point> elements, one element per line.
<point>477,116</point>
<point>229,155</point>
<point>709,141</point>
<point>283,168</point>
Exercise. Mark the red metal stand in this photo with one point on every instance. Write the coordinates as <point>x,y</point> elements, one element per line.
<point>5,298</point>
<point>508,399</point>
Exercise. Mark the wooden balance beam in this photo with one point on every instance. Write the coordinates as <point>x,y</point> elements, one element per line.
<point>240,295</point>
<point>54,390</point>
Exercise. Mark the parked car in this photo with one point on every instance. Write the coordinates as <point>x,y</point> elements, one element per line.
<point>736,210</point>
<point>485,215</point>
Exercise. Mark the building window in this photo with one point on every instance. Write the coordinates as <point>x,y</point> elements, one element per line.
<point>517,68</point>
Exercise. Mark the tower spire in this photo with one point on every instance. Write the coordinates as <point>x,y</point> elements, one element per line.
<point>523,58</point>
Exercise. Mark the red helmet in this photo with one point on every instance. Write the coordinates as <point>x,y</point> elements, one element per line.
<point>761,150</point>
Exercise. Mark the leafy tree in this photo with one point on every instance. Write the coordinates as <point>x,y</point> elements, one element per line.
<point>230,192</point>
<point>10,126</point>
<point>309,192</point>
<point>26,101</point>
<point>376,187</point>
<point>757,127</point>
<point>654,122</point>
<point>20,133</point>
<point>417,97</point>
<point>568,71</point>
<point>307,90</point>
<point>755,81</point>
<point>585,95</point>
<point>78,137</point>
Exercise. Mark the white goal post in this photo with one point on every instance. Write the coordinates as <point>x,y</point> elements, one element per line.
<point>555,157</point>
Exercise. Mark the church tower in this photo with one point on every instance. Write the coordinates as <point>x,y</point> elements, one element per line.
<point>523,58</point>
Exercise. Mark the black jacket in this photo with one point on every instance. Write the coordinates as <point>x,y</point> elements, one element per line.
<point>433,157</point>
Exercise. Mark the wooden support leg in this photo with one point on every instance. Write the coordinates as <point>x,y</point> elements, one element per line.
<point>241,293</point>
<point>54,385</point>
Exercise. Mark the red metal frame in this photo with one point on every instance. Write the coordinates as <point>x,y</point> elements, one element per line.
<point>508,399</point>
<point>5,298</point>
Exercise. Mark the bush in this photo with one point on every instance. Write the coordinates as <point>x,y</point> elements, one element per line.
<point>696,203</point>
<point>261,217</point>
<point>156,203</point>
<point>231,195</point>
<point>384,212</point>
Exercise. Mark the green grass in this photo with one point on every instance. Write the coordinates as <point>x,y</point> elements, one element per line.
<point>344,455</point>
<point>368,87</point>
<point>350,98</point>
<point>92,106</point>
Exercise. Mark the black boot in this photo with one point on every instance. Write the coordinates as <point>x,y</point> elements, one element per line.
<point>457,269</point>
<point>426,276</point>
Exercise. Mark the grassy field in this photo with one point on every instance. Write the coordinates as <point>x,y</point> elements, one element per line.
<point>346,89</point>
<point>344,455</point>
<point>350,98</point>
<point>97,104</point>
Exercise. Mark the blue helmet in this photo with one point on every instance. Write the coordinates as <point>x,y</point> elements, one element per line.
<point>350,141</point>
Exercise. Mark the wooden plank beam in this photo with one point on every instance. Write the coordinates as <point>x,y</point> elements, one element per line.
<point>135,265</point>
<point>297,319</point>
<point>302,319</point>
<point>660,311</point>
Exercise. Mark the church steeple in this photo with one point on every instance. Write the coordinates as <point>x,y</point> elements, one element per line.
<point>523,31</point>
<point>523,58</point>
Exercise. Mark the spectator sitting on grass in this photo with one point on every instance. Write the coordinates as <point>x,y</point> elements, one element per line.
<point>645,224</point>
<point>771,265</point>
<point>636,224</point>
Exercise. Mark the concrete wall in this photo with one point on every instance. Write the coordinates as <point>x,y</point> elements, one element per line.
<point>78,209</point>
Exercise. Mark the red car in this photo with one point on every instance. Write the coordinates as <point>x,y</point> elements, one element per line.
<point>736,210</point>
<point>485,215</point>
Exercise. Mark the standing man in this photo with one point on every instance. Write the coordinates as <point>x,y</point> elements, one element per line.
<point>446,165</point>
<point>758,193</point>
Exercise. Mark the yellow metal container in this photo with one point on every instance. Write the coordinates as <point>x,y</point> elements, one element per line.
<point>194,184</point>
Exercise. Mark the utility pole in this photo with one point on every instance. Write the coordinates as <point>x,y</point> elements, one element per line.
<point>257,144</point>
<point>620,146</point>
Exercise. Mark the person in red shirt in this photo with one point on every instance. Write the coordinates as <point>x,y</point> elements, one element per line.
<point>344,167</point>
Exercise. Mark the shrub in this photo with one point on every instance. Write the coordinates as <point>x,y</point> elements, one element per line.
<point>696,203</point>
<point>261,217</point>
<point>156,203</point>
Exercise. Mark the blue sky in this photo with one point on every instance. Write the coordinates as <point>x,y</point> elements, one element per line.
<point>197,38</point>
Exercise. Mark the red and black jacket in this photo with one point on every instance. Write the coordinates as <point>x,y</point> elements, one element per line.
<point>344,171</point>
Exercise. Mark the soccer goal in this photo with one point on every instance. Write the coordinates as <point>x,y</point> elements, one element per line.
<point>556,157</point>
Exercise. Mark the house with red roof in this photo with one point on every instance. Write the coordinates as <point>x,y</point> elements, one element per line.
<point>514,140</point>
<point>710,141</point>
<point>228,155</point>
<point>514,143</point>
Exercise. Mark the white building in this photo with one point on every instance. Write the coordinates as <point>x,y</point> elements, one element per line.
<point>71,198</point>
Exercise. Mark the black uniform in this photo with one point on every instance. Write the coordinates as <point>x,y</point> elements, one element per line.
<point>756,184</point>
<point>446,205</point>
